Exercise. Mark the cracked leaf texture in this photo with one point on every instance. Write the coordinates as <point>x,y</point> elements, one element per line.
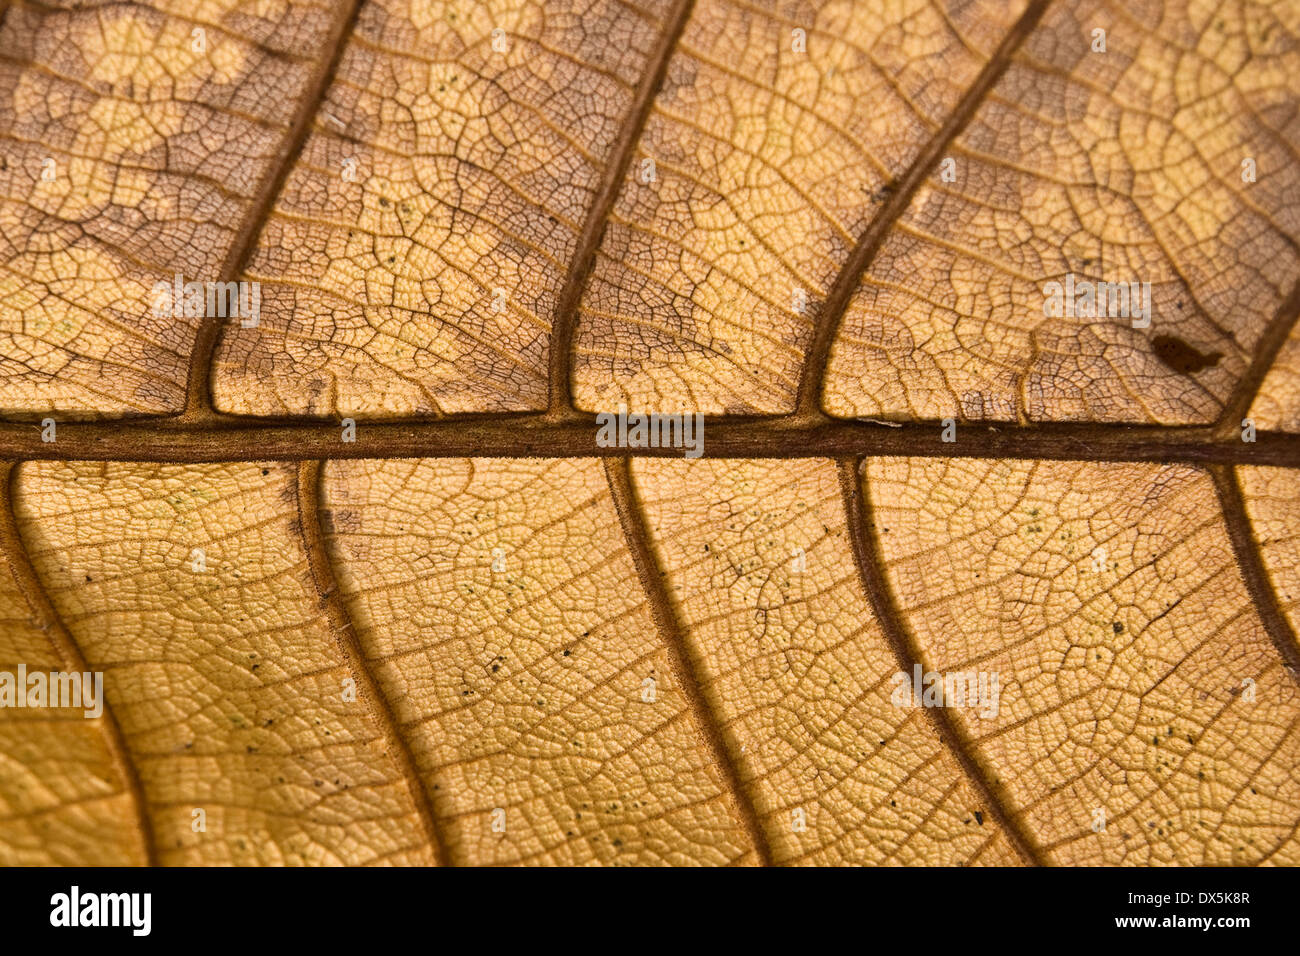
<point>551,208</point>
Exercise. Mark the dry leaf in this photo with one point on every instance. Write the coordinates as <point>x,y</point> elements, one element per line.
<point>985,549</point>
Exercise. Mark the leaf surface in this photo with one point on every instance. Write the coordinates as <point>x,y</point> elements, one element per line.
<point>473,632</point>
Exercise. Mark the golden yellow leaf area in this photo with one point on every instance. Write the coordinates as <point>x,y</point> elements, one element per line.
<point>500,608</point>
<point>63,801</point>
<point>799,672</point>
<point>767,167</point>
<point>1119,167</point>
<point>1108,598</point>
<point>948,577</point>
<point>1278,404</point>
<point>189,587</point>
<point>118,172</point>
<point>1273,504</point>
<point>413,260</point>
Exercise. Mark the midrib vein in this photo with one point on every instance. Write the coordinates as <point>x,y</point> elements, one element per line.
<point>536,435</point>
<point>198,387</point>
<point>49,622</point>
<point>560,397</point>
<point>332,604</point>
<point>870,563</point>
<point>813,374</point>
<point>662,609</point>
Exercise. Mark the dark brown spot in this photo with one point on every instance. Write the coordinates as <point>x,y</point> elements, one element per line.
<point>1181,357</point>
